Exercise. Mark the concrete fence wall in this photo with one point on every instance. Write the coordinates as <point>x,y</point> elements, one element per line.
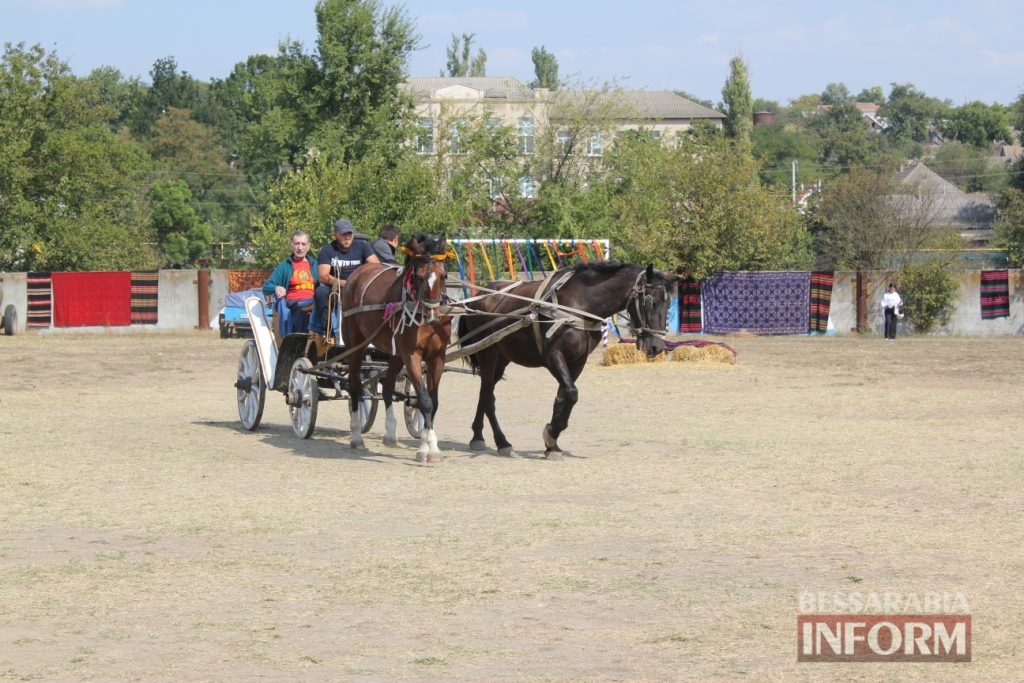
<point>178,306</point>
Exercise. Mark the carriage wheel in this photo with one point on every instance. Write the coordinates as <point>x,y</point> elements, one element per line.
<point>251,387</point>
<point>413,416</point>
<point>10,320</point>
<point>303,398</point>
<point>368,406</point>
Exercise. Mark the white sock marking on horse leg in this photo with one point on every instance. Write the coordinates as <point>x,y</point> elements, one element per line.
<point>432,441</point>
<point>356,439</point>
<point>424,448</point>
<point>390,426</point>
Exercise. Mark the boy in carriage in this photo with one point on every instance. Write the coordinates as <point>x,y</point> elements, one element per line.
<point>292,284</point>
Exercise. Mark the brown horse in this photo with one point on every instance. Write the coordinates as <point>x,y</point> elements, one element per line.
<point>562,340</point>
<point>397,310</point>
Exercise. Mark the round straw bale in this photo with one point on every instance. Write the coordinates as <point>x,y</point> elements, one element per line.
<point>623,354</point>
<point>709,354</point>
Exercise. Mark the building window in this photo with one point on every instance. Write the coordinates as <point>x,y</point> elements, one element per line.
<point>594,145</point>
<point>656,135</point>
<point>493,186</point>
<point>425,136</point>
<point>526,136</point>
<point>492,124</point>
<point>458,126</point>
<point>564,141</point>
<point>527,187</point>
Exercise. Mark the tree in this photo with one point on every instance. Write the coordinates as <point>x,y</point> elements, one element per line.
<point>122,95</point>
<point>966,167</point>
<point>70,189</point>
<point>545,68</point>
<point>910,113</point>
<point>842,137</point>
<point>978,124</point>
<point>461,62</point>
<point>777,147</point>
<point>168,89</point>
<point>1010,226</point>
<point>836,93</point>
<point>875,95</point>
<point>181,235</point>
<point>699,206</point>
<point>189,151</point>
<point>739,115</point>
<point>865,220</point>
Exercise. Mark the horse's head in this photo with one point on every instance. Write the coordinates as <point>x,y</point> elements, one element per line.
<point>426,271</point>
<point>648,309</point>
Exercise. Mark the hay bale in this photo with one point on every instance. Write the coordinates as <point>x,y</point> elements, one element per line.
<point>709,354</point>
<point>623,354</point>
<point>628,354</point>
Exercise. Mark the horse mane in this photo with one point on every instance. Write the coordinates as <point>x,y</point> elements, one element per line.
<point>613,267</point>
<point>431,246</point>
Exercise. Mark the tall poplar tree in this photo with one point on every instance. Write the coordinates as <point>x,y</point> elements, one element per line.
<point>739,115</point>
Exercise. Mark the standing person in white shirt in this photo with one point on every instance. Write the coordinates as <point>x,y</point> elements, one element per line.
<point>891,303</point>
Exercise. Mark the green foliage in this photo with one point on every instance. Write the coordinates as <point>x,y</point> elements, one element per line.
<point>911,113</point>
<point>545,68</point>
<point>875,95</point>
<point>836,93</point>
<point>777,147</point>
<point>843,138</point>
<point>739,104</point>
<point>69,187</point>
<point>700,207</point>
<point>967,167</point>
<point>461,61</point>
<point>929,290</point>
<point>181,235</point>
<point>1010,226</point>
<point>168,89</point>
<point>978,124</point>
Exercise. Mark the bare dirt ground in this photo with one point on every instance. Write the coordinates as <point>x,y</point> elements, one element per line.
<point>144,536</point>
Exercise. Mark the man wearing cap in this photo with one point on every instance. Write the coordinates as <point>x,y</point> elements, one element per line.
<point>335,263</point>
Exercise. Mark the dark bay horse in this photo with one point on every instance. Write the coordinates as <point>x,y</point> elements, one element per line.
<point>599,289</point>
<point>397,310</point>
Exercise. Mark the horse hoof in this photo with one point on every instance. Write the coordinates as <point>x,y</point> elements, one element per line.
<point>507,452</point>
<point>478,445</point>
<point>390,442</point>
<point>435,457</point>
<point>550,442</point>
<point>421,457</point>
<point>553,455</point>
<point>357,446</point>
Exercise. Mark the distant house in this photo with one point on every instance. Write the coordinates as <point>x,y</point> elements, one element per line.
<point>510,101</point>
<point>868,110</point>
<point>972,215</point>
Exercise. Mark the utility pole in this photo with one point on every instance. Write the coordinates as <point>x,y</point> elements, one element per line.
<point>794,182</point>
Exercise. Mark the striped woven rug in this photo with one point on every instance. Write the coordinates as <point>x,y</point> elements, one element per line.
<point>145,291</point>
<point>40,300</point>
<point>995,294</point>
<point>689,307</point>
<point>821,300</point>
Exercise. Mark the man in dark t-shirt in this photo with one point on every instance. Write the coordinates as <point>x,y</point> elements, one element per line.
<point>335,264</point>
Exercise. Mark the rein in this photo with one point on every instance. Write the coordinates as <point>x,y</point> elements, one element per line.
<point>642,301</point>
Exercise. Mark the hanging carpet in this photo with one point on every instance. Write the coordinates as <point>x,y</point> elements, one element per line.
<point>759,303</point>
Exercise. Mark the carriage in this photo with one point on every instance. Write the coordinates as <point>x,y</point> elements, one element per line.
<point>9,321</point>
<point>308,369</point>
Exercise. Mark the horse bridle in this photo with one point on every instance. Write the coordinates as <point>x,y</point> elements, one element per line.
<point>416,291</point>
<point>643,301</point>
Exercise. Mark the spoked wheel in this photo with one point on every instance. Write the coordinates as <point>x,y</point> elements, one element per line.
<point>413,416</point>
<point>10,322</point>
<point>303,398</point>
<point>251,387</point>
<point>367,406</point>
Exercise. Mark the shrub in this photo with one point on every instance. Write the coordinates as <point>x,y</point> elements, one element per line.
<point>929,291</point>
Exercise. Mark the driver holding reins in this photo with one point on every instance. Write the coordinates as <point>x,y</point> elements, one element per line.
<point>335,263</point>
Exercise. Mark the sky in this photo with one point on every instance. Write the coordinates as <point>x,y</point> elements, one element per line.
<point>951,49</point>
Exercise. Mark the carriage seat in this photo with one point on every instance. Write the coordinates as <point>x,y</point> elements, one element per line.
<point>285,322</point>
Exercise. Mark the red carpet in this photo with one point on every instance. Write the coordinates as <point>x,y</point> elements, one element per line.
<point>83,299</point>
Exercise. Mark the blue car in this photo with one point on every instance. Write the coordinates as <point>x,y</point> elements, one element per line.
<point>233,318</point>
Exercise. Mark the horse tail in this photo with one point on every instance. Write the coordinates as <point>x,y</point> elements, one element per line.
<point>464,332</point>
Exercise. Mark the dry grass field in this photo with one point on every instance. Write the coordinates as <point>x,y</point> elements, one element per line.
<point>144,536</point>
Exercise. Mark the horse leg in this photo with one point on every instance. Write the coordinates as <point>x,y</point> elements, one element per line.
<point>426,407</point>
<point>388,389</point>
<point>355,364</point>
<point>566,398</point>
<point>435,368</point>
